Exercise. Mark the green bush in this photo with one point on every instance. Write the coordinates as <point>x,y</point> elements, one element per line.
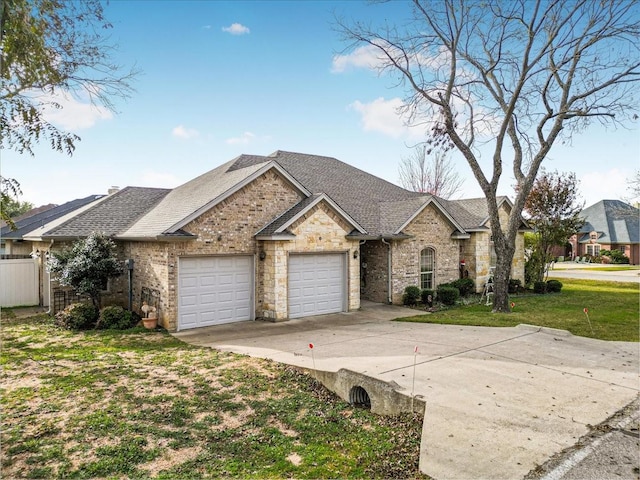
<point>425,294</point>
<point>411,295</point>
<point>77,316</point>
<point>116,318</point>
<point>616,256</point>
<point>448,294</point>
<point>465,286</point>
<point>554,286</point>
<point>540,287</point>
<point>515,285</point>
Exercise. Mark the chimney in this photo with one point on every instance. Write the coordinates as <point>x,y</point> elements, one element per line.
<point>113,190</point>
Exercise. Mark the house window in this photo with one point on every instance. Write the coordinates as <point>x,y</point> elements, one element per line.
<point>427,267</point>
<point>593,250</point>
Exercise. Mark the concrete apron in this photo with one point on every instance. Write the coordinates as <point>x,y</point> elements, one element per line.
<point>499,401</point>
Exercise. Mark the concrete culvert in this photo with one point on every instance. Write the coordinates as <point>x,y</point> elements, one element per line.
<point>359,397</point>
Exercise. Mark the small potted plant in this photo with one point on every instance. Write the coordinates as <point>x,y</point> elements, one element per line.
<point>149,316</point>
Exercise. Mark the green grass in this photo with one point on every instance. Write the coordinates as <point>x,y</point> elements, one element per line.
<point>612,307</point>
<point>618,268</point>
<point>140,404</point>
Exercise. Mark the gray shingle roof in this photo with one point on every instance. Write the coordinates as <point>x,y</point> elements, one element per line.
<point>30,222</point>
<point>272,227</point>
<point>357,192</point>
<point>112,215</point>
<point>183,201</point>
<point>377,206</point>
<point>616,221</point>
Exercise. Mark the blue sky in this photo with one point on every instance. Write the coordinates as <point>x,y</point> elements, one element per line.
<point>224,78</point>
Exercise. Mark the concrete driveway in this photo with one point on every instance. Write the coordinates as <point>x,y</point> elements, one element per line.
<point>499,401</point>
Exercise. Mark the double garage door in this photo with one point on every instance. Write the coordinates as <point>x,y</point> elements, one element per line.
<point>215,289</point>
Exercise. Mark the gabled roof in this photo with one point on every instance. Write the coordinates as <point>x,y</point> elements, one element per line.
<point>116,213</point>
<point>28,223</point>
<point>279,225</point>
<point>615,222</point>
<point>188,201</point>
<point>357,192</point>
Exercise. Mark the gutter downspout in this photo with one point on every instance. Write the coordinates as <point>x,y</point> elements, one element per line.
<point>49,282</point>
<point>389,298</point>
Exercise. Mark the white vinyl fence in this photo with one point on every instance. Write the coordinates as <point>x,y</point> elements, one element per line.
<point>19,282</point>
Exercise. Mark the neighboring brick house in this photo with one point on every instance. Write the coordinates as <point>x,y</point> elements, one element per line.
<point>284,236</point>
<point>609,225</point>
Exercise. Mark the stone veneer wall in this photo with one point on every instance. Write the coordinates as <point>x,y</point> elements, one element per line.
<point>226,229</point>
<point>321,230</point>
<point>480,242</point>
<point>374,277</point>
<point>429,229</point>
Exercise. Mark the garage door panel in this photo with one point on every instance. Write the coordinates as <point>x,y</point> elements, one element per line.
<point>316,284</point>
<point>214,290</point>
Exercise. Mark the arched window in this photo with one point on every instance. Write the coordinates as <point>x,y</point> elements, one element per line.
<point>427,267</point>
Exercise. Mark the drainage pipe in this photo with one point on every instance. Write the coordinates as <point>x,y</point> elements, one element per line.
<point>46,267</point>
<point>389,298</point>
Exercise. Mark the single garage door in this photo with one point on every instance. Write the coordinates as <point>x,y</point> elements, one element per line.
<point>316,284</point>
<point>214,290</point>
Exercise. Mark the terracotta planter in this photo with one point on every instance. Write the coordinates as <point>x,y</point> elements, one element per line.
<point>150,323</point>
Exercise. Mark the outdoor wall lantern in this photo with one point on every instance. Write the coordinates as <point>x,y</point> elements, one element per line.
<point>262,255</point>
<point>355,254</point>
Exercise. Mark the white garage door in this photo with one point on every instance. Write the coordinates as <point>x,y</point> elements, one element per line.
<point>214,290</point>
<point>316,284</point>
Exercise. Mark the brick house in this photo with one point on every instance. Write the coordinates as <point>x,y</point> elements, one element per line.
<point>609,225</point>
<point>285,236</point>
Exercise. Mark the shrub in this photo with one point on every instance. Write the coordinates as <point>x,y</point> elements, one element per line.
<point>554,286</point>
<point>425,294</point>
<point>77,316</point>
<point>411,295</point>
<point>464,285</point>
<point>540,287</point>
<point>515,285</point>
<point>116,318</point>
<point>616,256</point>
<point>448,294</point>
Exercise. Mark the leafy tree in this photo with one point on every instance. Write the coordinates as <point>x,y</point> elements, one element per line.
<point>426,173</point>
<point>53,47</point>
<point>15,207</point>
<point>87,265</point>
<point>9,192</point>
<point>554,208</point>
<point>511,77</point>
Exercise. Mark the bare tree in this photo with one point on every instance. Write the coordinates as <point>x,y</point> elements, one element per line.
<point>428,171</point>
<point>514,76</point>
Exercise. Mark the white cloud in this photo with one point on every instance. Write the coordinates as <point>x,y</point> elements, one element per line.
<point>243,139</point>
<point>236,29</point>
<point>184,133</point>
<point>362,57</point>
<point>607,185</point>
<point>383,116</point>
<point>207,27</point>
<point>74,113</point>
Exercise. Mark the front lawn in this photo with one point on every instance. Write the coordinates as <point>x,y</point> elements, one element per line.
<point>612,308</point>
<point>143,404</point>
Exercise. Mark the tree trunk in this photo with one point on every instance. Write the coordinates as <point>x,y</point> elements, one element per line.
<point>501,281</point>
